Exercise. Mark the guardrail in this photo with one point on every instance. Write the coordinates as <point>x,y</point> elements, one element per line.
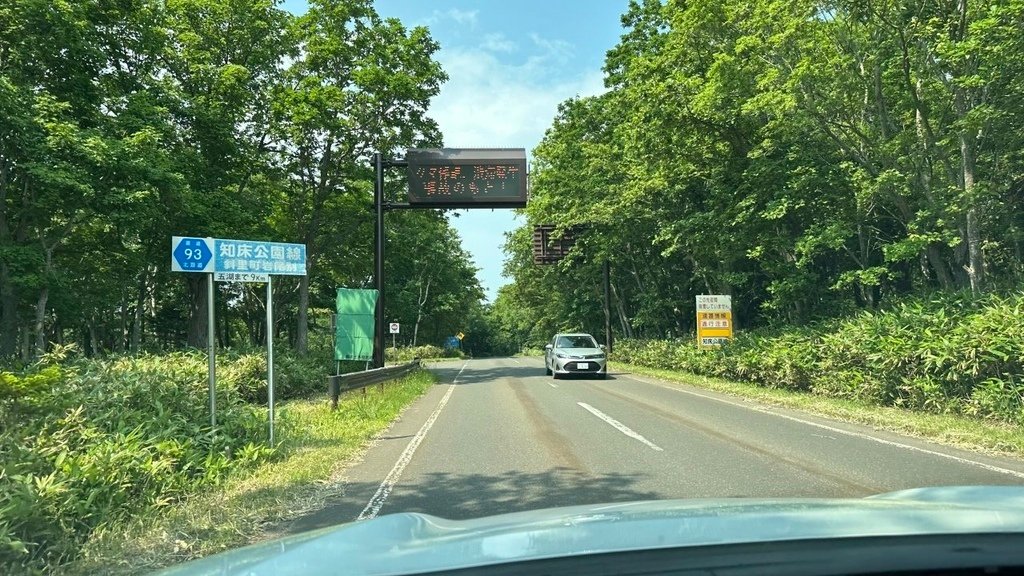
<point>355,380</point>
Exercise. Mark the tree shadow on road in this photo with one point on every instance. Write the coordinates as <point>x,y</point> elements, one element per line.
<point>463,496</point>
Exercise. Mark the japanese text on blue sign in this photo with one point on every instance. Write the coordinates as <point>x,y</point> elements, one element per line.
<point>260,257</point>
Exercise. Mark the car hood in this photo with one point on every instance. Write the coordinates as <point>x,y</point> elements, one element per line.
<point>413,543</point>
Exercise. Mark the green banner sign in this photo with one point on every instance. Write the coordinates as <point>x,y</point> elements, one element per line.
<point>353,333</point>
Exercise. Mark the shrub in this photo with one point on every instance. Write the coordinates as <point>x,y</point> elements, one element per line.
<point>409,353</point>
<point>950,354</point>
<point>86,443</point>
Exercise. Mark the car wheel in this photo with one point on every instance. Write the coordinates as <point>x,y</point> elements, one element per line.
<point>547,371</point>
<point>555,375</point>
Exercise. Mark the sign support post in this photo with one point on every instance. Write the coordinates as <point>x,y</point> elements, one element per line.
<point>270,357</point>
<point>211,349</point>
<point>224,260</point>
<point>378,262</point>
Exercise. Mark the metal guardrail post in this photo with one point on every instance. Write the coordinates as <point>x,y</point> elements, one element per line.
<point>360,380</point>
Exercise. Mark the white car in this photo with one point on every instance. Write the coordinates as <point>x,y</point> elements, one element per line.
<point>575,354</point>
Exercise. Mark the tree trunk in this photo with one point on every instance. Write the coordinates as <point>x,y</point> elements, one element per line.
<point>8,298</point>
<point>975,258</point>
<point>627,327</point>
<point>938,264</point>
<point>40,322</point>
<point>94,340</point>
<point>140,302</point>
<point>25,343</point>
<point>421,301</point>
<point>8,314</point>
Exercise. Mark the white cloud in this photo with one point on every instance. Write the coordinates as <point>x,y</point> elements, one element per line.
<point>498,43</point>
<point>558,50</point>
<point>493,102</point>
<point>463,17</point>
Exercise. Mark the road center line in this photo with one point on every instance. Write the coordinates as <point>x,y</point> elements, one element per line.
<point>552,384</point>
<point>385,488</point>
<point>763,410</point>
<point>456,381</point>
<point>619,426</point>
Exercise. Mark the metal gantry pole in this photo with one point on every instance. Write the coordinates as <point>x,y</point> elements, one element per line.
<point>211,349</point>
<point>270,357</point>
<point>378,262</point>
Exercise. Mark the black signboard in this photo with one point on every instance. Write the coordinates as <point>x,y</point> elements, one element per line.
<point>467,177</point>
<point>547,249</point>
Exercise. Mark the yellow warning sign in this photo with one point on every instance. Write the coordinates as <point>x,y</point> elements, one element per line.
<point>714,320</point>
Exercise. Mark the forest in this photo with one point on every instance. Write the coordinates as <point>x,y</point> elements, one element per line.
<point>123,123</point>
<point>810,159</point>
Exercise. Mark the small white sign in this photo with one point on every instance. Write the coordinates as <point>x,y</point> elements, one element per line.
<point>394,327</point>
<point>241,277</point>
<point>714,303</point>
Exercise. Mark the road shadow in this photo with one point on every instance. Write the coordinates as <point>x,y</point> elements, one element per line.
<point>463,496</point>
<point>472,375</point>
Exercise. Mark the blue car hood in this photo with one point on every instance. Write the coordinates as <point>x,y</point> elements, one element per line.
<point>411,543</point>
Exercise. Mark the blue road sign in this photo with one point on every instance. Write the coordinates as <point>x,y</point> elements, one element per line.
<point>261,257</point>
<point>240,258</point>
<point>451,343</point>
<point>191,254</point>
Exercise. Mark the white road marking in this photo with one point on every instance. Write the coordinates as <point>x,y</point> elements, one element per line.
<point>385,488</point>
<point>456,381</point>
<point>516,361</point>
<point>619,426</point>
<point>552,384</point>
<point>764,410</point>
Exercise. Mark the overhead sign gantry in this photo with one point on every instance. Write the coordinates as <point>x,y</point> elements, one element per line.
<point>445,178</point>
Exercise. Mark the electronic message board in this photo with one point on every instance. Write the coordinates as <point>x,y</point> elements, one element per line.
<point>467,177</point>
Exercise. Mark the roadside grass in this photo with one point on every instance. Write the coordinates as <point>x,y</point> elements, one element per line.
<point>987,436</point>
<point>315,445</point>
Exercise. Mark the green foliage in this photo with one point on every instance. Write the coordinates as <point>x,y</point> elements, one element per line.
<point>951,354</point>
<point>125,123</point>
<point>316,442</point>
<point>808,159</point>
<point>88,443</point>
<point>428,352</point>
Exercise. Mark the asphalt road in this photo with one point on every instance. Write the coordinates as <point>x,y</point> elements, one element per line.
<point>496,436</point>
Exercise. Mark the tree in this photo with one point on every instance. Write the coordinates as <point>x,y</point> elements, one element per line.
<point>806,158</point>
<point>358,85</point>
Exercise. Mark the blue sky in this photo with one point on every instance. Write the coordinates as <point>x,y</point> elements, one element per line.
<point>510,63</point>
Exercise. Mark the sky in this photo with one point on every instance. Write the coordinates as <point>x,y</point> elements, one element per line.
<point>510,63</point>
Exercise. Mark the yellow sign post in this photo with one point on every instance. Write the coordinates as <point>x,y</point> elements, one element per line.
<point>714,320</point>
<point>460,335</point>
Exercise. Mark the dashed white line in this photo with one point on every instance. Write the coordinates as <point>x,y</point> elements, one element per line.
<point>552,384</point>
<point>763,410</point>
<point>385,488</point>
<point>619,426</point>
